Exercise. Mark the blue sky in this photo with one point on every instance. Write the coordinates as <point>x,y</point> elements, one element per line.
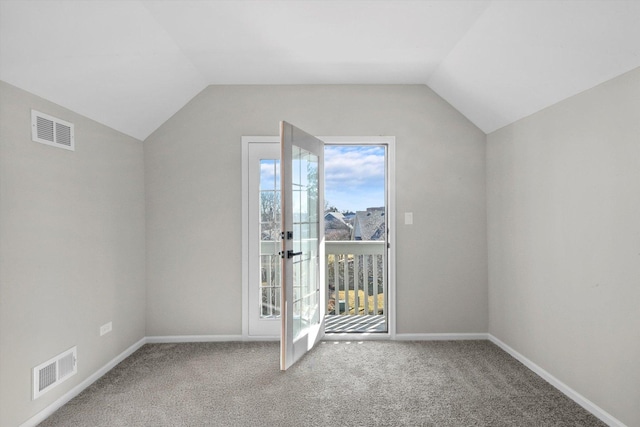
<point>354,176</point>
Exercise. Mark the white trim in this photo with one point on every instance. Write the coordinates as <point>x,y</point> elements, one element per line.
<point>58,403</point>
<point>390,142</point>
<point>358,140</point>
<point>261,338</point>
<point>391,262</point>
<point>65,398</point>
<point>568,391</point>
<point>441,337</point>
<point>193,338</point>
<point>246,140</point>
<point>603,415</point>
<point>245,233</point>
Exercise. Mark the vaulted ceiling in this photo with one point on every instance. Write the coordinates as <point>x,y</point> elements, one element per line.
<point>132,64</point>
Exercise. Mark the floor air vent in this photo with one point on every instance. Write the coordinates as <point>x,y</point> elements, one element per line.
<point>54,371</point>
<point>51,131</point>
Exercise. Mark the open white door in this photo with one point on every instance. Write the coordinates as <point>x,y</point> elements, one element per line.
<point>302,176</point>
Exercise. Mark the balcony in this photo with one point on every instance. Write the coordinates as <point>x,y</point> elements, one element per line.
<point>356,286</point>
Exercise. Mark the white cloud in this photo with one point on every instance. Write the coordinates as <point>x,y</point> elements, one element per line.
<point>353,167</point>
<point>354,176</point>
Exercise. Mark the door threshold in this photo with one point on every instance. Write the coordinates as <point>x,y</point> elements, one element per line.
<point>355,324</point>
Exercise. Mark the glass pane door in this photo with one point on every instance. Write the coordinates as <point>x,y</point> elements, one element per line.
<point>270,222</point>
<point>302,254</point>
<point>263,228</point>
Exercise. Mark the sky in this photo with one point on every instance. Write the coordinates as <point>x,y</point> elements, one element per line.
<point>354,176</point>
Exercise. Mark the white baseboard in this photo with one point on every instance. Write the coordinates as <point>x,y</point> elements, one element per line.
<point>49,410</point>
<point>261,338</point>
<point>192,338</point>
<point>441,337</point>
<point>58,403</point>
<point>604,416</point>
<point>166,339</point>
<point>572,394</point>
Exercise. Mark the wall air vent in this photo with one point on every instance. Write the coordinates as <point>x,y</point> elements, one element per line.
<point>51,131</point>
<point>54,371</point>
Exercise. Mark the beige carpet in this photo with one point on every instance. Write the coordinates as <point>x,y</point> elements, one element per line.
<point>371,383</point>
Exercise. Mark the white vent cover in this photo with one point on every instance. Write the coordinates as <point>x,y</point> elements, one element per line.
<point>51,131</point>
<point>54,371</point>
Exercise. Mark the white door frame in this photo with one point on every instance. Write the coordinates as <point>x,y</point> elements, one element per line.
<point>246,140</point>
<point>390,142</point>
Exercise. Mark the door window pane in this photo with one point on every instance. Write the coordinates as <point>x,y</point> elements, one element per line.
<point>269,238</point>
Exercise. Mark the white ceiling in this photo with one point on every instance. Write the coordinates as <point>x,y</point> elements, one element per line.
<point>133,64</point>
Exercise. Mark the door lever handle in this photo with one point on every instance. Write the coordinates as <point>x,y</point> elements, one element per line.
<point>291,254</point>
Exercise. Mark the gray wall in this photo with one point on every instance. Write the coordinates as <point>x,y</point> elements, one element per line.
<point>71,249</point>
<point>193,191</point>
<point>563,199</point>
<point>563,203</point>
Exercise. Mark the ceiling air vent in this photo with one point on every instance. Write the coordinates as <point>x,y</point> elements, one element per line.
<point>54,371</point>
<point>51,131</point>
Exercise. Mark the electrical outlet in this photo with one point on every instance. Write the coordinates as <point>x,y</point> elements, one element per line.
<point>106,328</point>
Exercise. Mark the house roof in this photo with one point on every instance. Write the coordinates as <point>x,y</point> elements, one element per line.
<point>370,224</point>
<point>333,219</point>
<point>132,64</point>
<point>336,215</point>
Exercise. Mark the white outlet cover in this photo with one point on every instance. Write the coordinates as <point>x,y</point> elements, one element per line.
<point>408,218</point>
<point>106,328</point>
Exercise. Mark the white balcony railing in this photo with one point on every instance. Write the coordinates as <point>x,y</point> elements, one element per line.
<point>356,277</point>
<point>355,274</point>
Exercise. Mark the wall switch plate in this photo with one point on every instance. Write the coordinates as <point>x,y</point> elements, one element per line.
<point>106,328</point>
<point>408,218</point>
